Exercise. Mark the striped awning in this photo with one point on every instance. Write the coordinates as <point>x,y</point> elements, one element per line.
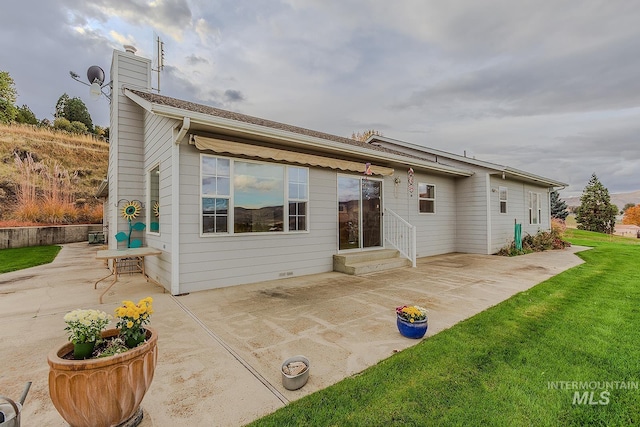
<point>238,148</point>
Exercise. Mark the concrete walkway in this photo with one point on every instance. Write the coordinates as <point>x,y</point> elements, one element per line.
<point>220,351</point>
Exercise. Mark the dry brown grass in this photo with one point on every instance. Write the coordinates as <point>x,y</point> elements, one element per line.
<point>54,135</point>
<point>51,170</point>
<point>28,212</point>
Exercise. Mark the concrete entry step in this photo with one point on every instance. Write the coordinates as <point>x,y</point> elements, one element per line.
<point>358,263</point>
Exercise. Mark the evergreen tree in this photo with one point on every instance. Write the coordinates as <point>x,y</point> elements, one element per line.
<point>558,206</point>
<point>74,110</point>
<point>25,115</point>
<point>8,95</point>
<point>596,213</point>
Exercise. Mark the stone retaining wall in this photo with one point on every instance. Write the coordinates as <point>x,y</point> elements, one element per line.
<point>20,237</point>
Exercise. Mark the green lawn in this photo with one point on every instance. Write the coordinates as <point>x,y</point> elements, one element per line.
<point>503,366</point>
<point>19,258</point>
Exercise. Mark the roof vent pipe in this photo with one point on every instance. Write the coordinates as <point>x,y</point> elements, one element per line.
<point>130,49</point>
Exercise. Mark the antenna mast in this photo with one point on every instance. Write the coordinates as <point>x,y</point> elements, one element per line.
<point>159,58</point>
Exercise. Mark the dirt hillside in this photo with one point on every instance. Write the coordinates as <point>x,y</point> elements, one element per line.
<point>83,157</point>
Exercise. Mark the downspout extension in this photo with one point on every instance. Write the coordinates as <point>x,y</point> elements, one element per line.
<point>175,206</point>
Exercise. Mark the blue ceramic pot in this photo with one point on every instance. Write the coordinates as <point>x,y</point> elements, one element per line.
<point>414,330</point>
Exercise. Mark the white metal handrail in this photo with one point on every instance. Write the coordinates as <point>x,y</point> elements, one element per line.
<point>400,234</point>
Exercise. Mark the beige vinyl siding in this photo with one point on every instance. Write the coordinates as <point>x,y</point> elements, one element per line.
<point>157,151</point>
<point>502,225</point>
<point>126,154</point>
<point>395,197</point>
<point>435,232</point>
<point>224,260</point>
<point>471,209</point>
<point>545,220</point>
<point>502,231</point>
<point>469,221</point>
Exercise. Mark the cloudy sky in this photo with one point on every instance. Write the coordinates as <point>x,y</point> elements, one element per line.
<point>548,86</point>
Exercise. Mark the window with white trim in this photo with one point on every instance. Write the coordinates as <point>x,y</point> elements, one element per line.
<point>502,191</point>
<point>215,187</point>
<point>534,208</point>
<point>240,196</point>
<point>426,198</point>
<point>298,197</point>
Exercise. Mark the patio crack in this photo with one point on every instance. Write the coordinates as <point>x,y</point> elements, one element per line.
<point>233,353</point>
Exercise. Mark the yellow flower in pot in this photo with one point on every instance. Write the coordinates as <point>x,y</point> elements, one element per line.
<point>106,389</point>
<point>132,318</point>
<point>412,321</point>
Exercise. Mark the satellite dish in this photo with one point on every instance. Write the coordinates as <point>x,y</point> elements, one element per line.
<point>95,74</point>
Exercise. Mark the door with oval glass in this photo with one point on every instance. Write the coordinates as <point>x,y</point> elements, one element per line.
<point>359,212</point>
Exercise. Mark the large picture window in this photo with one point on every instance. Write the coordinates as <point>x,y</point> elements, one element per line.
<point>252,197</point>
<point>426,198</point>
<point>258,190</point>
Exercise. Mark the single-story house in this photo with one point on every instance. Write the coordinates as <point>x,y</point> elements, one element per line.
<point>232,199</point>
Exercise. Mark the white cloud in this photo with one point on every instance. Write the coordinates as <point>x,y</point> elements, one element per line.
<point>121,39</point>
<point>206,33</point>
<point>547,87</point>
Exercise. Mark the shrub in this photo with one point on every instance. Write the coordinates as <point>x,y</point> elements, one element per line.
<point>62,124</point>
<point>558,226</point>
<point>541,241</point>
<point>89,214</point>
<point>79,127</point>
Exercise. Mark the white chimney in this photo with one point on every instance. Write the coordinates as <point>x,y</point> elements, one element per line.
<point>130,49</point>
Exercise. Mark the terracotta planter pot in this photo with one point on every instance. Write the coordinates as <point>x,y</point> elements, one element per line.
<point>102,392</point>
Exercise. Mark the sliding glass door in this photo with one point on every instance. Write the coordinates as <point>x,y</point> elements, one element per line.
<point>359,212</point>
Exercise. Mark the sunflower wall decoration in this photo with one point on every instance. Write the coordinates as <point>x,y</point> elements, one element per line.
<point>154,226</point>
<point>130,211</point>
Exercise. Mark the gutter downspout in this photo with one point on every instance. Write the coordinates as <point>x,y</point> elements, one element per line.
<point>175,205</point>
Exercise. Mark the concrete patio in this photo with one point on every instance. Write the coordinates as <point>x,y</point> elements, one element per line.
<point>220,351</point>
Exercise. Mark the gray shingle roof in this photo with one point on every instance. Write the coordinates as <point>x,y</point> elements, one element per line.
<point>213,111</point>
<point>217,112</point>
<point>230,115</point>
